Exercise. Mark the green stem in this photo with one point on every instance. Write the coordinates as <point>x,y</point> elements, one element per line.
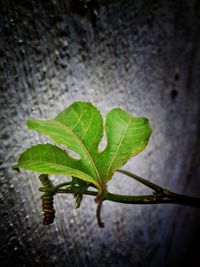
<point>155,187</point>
<point>158,198</point>
<point>61,185</point>
<point>98,214</point>
<point>161,195</point>
<point>162,198</point>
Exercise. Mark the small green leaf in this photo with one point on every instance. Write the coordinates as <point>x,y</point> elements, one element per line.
<point>80,129</point>
<point>79,186</point>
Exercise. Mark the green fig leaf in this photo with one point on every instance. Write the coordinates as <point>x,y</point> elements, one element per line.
<point>80,129</point>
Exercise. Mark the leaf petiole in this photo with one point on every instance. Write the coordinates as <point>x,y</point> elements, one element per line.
<point>155,187</point>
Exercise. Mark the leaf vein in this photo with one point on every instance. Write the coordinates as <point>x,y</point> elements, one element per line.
<point>84,148</point>
<point>118,146</point>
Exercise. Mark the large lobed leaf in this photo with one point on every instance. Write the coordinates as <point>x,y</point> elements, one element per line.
<point>80,129</point>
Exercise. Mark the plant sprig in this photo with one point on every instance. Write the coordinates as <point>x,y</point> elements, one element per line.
<point>160,195</point>
<point>80,128</point>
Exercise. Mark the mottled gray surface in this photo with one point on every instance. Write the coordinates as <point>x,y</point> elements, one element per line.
<point>142,56</point>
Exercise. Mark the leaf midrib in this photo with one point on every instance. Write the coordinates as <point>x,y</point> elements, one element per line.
<point>118,146</point>
<point>84,148</point>
<point>56,165</point>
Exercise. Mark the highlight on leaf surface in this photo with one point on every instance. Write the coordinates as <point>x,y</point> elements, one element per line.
<point>80,128</point>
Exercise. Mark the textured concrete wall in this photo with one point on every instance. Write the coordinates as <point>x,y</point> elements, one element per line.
<point>142,56</point>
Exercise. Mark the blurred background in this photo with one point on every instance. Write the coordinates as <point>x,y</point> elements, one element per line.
<point>142,56</point>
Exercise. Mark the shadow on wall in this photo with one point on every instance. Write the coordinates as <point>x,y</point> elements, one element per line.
<point>142,56</point>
